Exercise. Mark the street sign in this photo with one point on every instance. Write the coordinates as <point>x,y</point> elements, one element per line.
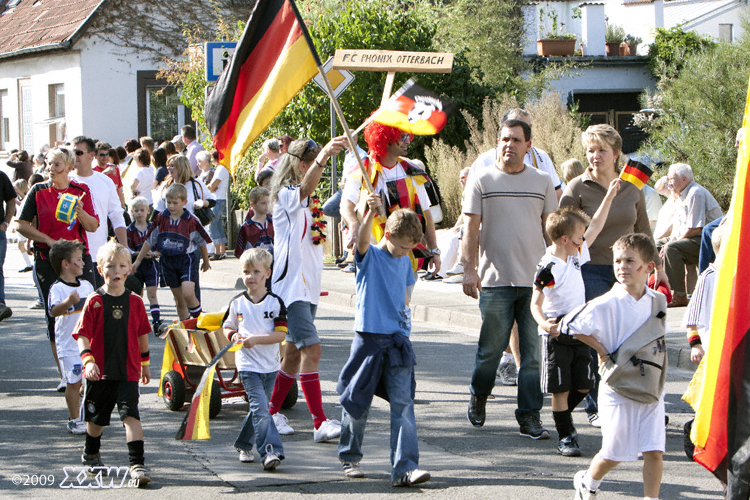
<point>218,55</point>
<point>393,60</point>
<point>339,79</point>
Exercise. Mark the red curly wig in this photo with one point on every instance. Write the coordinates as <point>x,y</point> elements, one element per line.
<point>378,137</point>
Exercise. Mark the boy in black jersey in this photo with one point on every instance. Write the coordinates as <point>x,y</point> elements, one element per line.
<point>112,335</point>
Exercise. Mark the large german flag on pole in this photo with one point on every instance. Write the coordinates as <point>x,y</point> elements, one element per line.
<point>272,62</point>
<point>721,431</point>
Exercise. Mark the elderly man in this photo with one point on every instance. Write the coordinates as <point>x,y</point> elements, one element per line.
<point>696,208</point>
<point>511,201</point>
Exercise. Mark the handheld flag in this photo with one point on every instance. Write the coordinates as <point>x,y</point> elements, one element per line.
<point>720,431</point>
<point>416,110</point>
<point>636,173</point>
<point>195,424</point>
<point>272,62</point>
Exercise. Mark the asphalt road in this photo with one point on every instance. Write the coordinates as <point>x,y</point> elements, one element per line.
<point>490,462</point>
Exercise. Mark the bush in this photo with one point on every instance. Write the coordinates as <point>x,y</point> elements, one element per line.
<point>670,48</point>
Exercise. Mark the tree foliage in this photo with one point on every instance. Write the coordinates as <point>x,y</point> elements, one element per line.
<point>697,120</point>
<point>670,47</point>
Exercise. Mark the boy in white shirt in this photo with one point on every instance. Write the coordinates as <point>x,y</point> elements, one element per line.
<point>258,318</point>
<point>629,427</point>
<point>558,289</point>
<point>66,298</point>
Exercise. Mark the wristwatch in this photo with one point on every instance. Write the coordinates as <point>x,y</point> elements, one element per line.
<point>435,251</point>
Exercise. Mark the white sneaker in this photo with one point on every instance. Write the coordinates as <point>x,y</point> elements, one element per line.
<point>62,385</point>
<point>507,372</point>
<point>282,425</point>
<point>594,420</point>
<point>457,269</point>
<point>328,430</point>
<point>246,456</point>
<point>352,469</point>
<point>271,462</point>
<point>76,427</point>
<point>412,478</point>
<point>582,493</point>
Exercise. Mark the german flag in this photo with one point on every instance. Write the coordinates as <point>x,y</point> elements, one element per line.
<point>636,173</point>
<point>721,432</point>
<point>415,110</point>
<point>273,60</point>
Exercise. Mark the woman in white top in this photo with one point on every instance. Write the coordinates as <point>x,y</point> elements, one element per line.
<point>297,271</point>
<point>144,178</point>
<point>180,171</point>
<point>219,185</point>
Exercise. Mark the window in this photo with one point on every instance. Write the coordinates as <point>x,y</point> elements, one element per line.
<point>725,32</point>
<point>56,113</point>
<point>26,118</point>
<point>4,120</point>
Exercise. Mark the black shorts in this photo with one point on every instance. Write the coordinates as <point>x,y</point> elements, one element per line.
<point>102,396</point>
<point>148,272</point>
<point>567,366</point>
<point>179,268</point>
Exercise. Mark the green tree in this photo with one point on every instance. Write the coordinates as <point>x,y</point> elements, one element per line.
<point>670,47</point>
<point>697,120</point>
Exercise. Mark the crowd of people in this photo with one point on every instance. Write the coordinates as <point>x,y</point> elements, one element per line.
<point>560,271</point>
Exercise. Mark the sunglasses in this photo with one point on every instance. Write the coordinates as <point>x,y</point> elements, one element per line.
<point>311,146</point>
<point>80,153</point>
<point>103,154</point>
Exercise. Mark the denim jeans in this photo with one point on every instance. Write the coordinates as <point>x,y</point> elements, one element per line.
<point>404,445</point>
<point>216,229</point>
<point>258,425</point>
<point>707,250</point>
<point>3,249</point>
<point>500,307</point>
<point>598,280</point>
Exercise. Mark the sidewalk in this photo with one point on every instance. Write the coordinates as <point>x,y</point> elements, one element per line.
<point>441,303</point>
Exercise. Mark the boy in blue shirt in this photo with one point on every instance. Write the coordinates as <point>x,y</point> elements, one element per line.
<point>382,360</point>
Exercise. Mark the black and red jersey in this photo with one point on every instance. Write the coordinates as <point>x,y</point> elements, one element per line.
<point>41,203</point>
<point>113,325</point>
<point>136,238</point>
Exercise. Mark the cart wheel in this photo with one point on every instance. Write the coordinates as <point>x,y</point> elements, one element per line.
<point>173,388</point>
<point>214,406</point>
<point>291,397</point>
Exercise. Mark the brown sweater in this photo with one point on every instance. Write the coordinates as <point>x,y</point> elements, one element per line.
<point>627,215</point>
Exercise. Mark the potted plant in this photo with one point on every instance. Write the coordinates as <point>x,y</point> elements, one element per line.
<point>556,42</point>
<point>631,43</point>
<point>613,36</point>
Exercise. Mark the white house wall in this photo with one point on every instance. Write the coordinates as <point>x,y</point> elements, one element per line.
<point>109,75</point>
<point>709,24</point>
<point>41,71</point>
<point>598,79</point>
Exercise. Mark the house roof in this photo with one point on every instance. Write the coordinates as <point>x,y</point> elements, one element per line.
<point>28,26</point>
<point>687,11</point>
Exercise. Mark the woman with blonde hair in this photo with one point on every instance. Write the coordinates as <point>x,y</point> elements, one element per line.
<point>180,171</point>
<point>297,271</point>
<point>39,221</point>
<point>627,215</point>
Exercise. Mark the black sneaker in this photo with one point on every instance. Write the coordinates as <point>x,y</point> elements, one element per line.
<point>476,413</point>
<point>532,427</point>
<point>568,447</point>
<point>156,325</point>
<point>5,312</point>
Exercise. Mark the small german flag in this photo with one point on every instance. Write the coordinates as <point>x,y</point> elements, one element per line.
<point>636,173</point>
<point>415,110</point>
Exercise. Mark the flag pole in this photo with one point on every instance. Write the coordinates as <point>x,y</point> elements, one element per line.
<point>335,102</point>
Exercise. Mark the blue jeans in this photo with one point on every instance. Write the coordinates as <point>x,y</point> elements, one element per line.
<point>404,445</point>
<point>331,206</point>
<point>258,425</point>
<point>216,228</point>
<point>500,307</point>
<point>3,249</point>
<point>598,280</point>
<point>707,249</point>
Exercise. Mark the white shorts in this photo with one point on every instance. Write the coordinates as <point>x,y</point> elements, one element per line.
<point>630,428</point>
<point>71,369</point>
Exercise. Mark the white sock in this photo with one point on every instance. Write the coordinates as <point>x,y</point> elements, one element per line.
<point>590,483</point>
<point>507,356</point>
<point>26,259</point>
<point>650,498</point>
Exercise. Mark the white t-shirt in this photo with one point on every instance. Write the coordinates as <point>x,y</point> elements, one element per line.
<point>200,188</point>
<point>701,305</point>
<point>249,319</point>
<point>298,263</point>
<point>221,173</point>
<point>543,162</point>
<point>145,178</point>
<point>561,282</point>
<point>64,324</point>
<point>107,205</point>
<point>612,318</point>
